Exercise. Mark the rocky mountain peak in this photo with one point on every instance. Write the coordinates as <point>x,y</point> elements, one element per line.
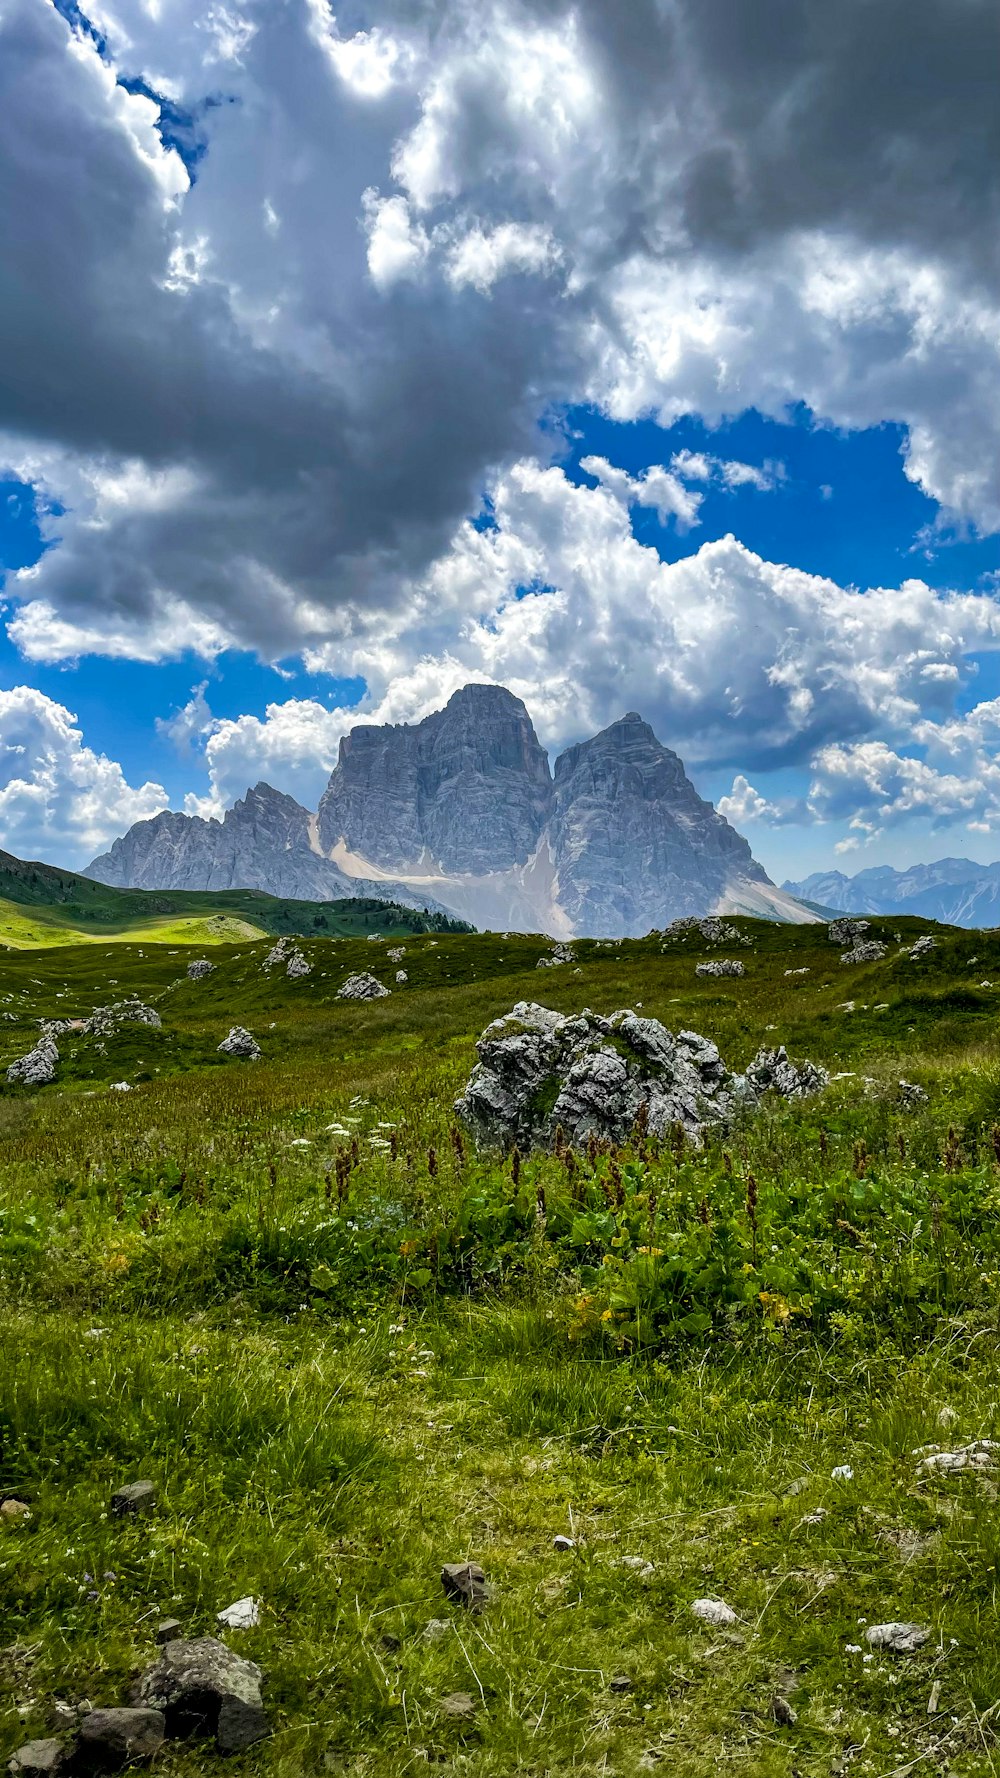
<point>465,790</point>
<point>462,810</point>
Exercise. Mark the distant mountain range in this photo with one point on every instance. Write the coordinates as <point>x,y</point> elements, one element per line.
<point>462,811</point>
<point>954,890</point>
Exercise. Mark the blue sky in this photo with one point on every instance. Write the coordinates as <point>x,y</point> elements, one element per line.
<point>351,357</point>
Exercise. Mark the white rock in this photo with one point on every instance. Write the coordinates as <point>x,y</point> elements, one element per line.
<point>842,1473</point>
<point>902,1639</point>
<point>243,1614</point>
<point>715,1612</point>
<point>563,1543</point>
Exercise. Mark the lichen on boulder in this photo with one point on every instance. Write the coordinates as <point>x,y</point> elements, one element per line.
<point>540,1071</point>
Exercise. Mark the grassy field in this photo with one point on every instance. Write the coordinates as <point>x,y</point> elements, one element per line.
<point>42,906</point>
<point>346,1350</point>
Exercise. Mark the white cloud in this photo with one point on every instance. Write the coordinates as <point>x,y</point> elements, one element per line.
<point>59,800</point>
<point>397,246</point>
<point>484,255</point>
<point>700,466</point>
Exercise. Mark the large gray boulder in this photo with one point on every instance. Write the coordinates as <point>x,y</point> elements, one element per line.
<point>204,1688</point>
<point>241,1045</point>
<point>38,1067</point>
<point>112,1738</point>
<point>362,987</point>
<point>720,966</point>
<point>539,1069</point>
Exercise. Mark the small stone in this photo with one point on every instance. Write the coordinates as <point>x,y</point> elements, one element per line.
<point>621,1682</point>
<point>715,1612</point>
<point>902,1639</point>
<point>15,1509</point>
<point>243,1614</point>
<point>167,1630</point>
<point>436,1628</point>
<point>134,1498</point>
<point>465,1582</point>
<point>110,1738</point>
<point>639,1566</point>
<point>842,1473</point>
<point>560,1542</point>
<point>458,1704</point>
<point>782,1712</point>
<point>37,1759</point>
<point>401,976</point>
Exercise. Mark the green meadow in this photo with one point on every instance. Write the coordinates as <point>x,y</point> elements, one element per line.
<point>347,1349</point>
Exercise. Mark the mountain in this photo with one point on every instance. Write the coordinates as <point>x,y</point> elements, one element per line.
<point>265,841</point>
<point>954,890</point>
<point>41,906</point>
<point>461,810</point>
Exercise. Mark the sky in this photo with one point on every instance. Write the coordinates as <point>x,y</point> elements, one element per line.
<point>634,357</point>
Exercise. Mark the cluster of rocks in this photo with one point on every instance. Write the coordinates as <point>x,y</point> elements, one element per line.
<point>713,930</point>
<point>721,966</point>
<point>540,1070</point>
<point>921,947</point>
<point>193,1690</point>
<point>771,1071</point>
<point>912,1097</point>
<point>105,1020</point>
<point>241,1045</point>
<point>559,954</point>
<point>847,932</point>
<point>362,987</point>
<point>287,955</point>
<point>199,969</point>
<point>870,950</point>
<point>37,1068</point>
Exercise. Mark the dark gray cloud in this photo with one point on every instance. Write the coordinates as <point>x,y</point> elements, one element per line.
<point>264,431</point>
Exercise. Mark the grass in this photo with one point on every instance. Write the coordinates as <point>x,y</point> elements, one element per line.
<point>43,906</point>
<point>347,1350</point>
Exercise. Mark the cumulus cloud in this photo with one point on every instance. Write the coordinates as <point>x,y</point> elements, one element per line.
<point>737,661</point>
<point>59,800</point>
<point>414,229</point>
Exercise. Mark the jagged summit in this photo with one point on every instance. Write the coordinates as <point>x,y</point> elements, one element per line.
<point>461,809</point>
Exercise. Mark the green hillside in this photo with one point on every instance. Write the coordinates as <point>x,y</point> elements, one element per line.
<point>346,1348</point>
<point>41,905</point>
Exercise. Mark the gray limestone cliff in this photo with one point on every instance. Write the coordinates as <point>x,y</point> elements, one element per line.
<point>634,844</point>
<point>469,788</point>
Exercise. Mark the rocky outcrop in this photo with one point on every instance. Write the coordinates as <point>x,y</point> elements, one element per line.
<point>362,987</point>
<point>38,1067</point>
<point>199,969</point>
<point>866,950</point>
<point>286,955</point>
<point>846,932</point>
<point>240,1045</point>
<point>771,1071</point>
<point>720,966</point>
<point>540,1071</point>
<point>105,1020</point>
